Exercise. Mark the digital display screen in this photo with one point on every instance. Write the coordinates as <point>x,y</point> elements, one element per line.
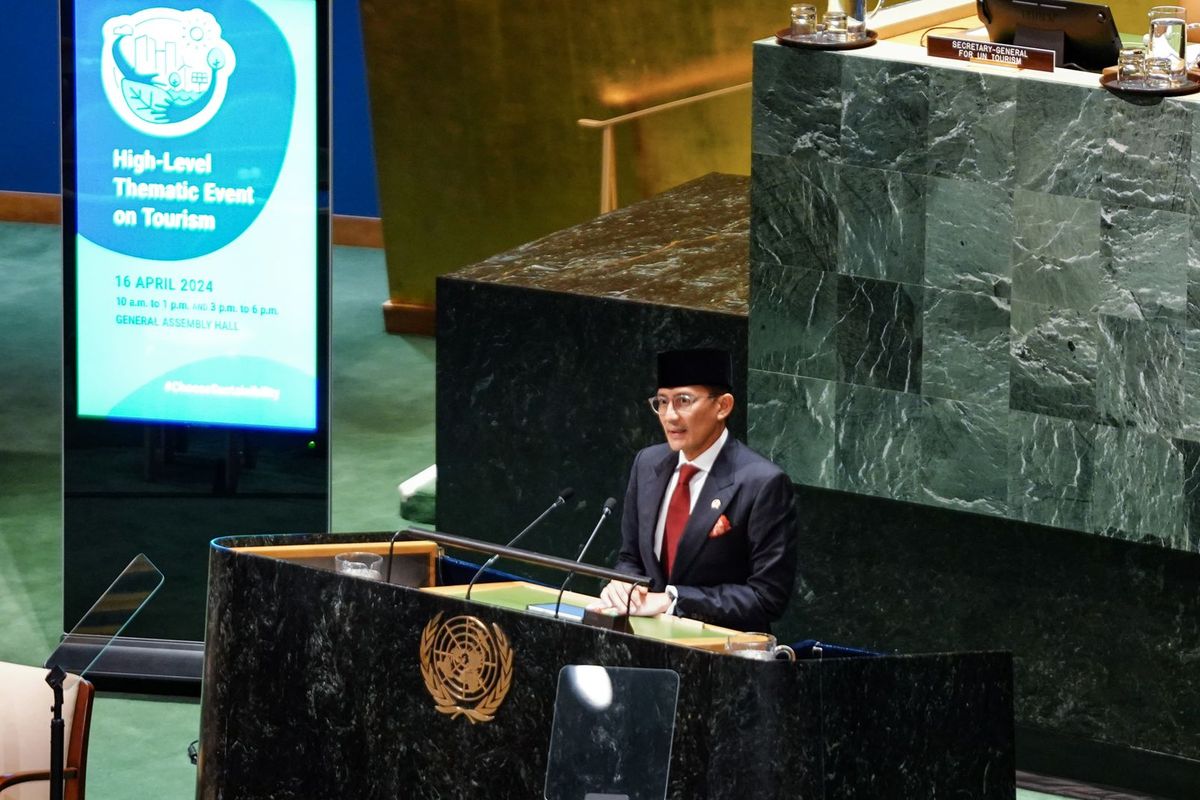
<point>196,247</point>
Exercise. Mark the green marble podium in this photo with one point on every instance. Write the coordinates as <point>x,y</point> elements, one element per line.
<point>974,344</point>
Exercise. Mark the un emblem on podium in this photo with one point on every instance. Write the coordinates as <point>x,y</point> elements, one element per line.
<point>467,666</point>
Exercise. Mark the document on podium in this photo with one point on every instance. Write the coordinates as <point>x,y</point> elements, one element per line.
<point>553,610</point>
<point>521,596</point>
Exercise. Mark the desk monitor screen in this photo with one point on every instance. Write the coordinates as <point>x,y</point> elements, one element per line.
<point>1082,35</point>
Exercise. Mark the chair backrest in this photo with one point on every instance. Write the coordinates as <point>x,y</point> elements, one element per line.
<point>25,703</point>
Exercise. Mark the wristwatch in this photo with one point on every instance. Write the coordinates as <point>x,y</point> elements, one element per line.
<point>672,593</point>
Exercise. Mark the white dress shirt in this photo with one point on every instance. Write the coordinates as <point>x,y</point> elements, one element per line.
<point>703,463</point>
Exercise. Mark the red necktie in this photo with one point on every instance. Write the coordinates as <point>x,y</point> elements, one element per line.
<point>677,516</point>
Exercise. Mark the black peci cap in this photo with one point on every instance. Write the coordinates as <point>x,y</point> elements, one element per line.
<point>706,366</point>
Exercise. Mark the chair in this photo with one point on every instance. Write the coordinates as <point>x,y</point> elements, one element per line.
<point>25,703</point>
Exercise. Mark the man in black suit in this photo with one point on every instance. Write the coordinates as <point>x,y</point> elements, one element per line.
<point>708,520</point>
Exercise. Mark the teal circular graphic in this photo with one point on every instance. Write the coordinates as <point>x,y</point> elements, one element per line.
<point>183,116</point>
<point>166,71</point>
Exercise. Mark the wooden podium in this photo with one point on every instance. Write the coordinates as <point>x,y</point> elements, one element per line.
<point>320,685</point>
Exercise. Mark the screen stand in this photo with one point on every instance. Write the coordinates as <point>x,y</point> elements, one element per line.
<point>1043,40</point>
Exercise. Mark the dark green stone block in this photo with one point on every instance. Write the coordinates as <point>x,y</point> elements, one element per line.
<point>1054,360</point>
<point>882,234</point>
<point>879,333</point>
<point>968,236</point>
<point>963,454</point>
<point>965,348</point>
<point>1145,263</point>
<point>797,103</point>
<point>1147,154</point>
<point>1139,380</point>
<point>878,443</point>
<point>793,211</point>
<point>1139,487</point>
<point>971,126</point>
<point>1059,138</point>
<point>885,114</point>
<point>1056,252</point>
<point>1103,630</point>
<point>794,312</point>
<point>791,422</point>
<point>1050,469</point>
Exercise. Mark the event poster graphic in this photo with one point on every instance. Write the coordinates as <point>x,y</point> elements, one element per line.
<point>196,260</point>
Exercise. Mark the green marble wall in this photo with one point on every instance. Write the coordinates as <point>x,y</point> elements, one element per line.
<point>977,292</point>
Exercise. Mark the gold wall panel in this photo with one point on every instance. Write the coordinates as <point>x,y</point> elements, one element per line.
<point>1130,15</point>
<point>474,108</point>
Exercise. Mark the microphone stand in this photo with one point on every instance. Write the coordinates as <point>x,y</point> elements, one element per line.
<point>562,498</point>
<point>609,505</point>
<point>558,501</point>
<point>55,679</point>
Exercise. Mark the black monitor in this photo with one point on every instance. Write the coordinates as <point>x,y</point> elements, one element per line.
<point>1082,35</point>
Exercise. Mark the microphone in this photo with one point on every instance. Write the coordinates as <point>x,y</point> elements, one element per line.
<point>609,505</point>
<point>563,497</point>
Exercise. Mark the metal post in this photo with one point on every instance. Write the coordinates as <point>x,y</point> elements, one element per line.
<point>55,679</point>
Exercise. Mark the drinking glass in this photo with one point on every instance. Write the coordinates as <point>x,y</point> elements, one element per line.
<point>835,26</point>
<point>758,647</point>
<point>1168,32</point>
<point>1131,64</point>
<point>804,19</point>
<point>359,565</point>
<point>1158,72</point>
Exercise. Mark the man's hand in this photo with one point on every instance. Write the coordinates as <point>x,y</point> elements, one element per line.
<point>649,604</point>
<point>641,603</point>
<point>614,596</point>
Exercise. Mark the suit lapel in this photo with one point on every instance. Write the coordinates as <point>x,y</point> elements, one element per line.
<point>650,497</point>
<point>718,486</point>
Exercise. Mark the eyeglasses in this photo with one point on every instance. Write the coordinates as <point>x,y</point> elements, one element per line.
<point>682,403</point>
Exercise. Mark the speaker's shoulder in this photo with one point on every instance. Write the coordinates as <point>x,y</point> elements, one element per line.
<point>650,457</point>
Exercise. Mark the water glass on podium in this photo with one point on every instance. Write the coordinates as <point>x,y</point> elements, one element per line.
<point>757,647</point>
<point>359,565</point>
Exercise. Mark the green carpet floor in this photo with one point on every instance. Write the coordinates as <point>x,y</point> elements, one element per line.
<point>382,432</point>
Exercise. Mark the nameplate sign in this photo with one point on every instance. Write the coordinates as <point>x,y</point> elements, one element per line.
<point>994,53</point>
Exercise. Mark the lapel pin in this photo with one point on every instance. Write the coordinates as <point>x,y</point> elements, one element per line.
<point>716,503</point>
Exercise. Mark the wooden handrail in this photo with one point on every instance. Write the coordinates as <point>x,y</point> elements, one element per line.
<point>608,143</point>
<point>645,112</point>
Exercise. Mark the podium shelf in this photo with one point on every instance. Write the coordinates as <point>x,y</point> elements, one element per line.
<point>517,595</point>
<point>315,554</point>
